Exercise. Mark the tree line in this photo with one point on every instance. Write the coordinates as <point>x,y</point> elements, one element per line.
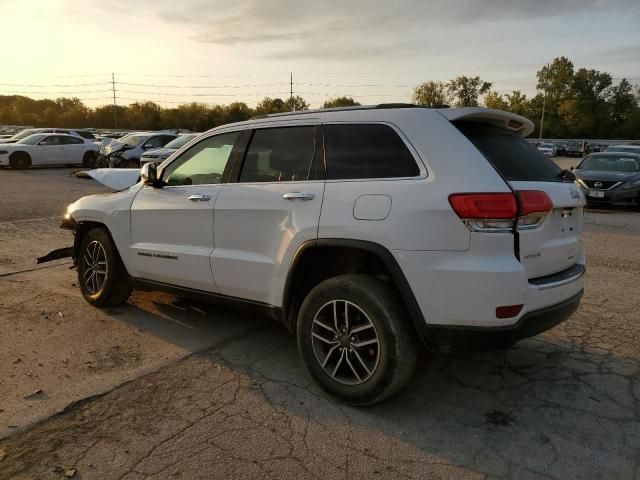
<point>577,103</point>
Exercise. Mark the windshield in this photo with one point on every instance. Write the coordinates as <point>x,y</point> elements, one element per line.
<point>547,145</point>
<point>611,163</point>
<point>31,139</point>
<point>23,134</point>
<point>180,141</point>
<point>133,140</point>
<point>574,145</point>
<point>624,149</point>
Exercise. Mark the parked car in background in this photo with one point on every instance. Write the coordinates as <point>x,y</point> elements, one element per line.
<point>598,147</point>
<point>5,137</point>
<point>159,155</point>
<point>84,134</point>
<point>577,149</point>
<point>611,178</point>
<point>629,148</point>
<point>561,148</point>
<point>355,229</point>
<point>48,149</point>
<point>547,149</point>
<point>125,152</point>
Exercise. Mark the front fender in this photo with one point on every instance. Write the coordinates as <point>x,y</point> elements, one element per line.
<point>113,210</point>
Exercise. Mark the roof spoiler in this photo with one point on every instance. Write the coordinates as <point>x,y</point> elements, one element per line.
<point>509,121</point>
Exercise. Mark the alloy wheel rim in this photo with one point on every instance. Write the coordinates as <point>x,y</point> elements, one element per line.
<point>96,267</point>
<point>345,342</point>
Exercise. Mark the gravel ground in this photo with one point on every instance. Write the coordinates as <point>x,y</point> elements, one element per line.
<point>174,390</point>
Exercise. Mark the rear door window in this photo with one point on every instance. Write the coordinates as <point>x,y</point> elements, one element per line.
<point>515,158</point>
<point>280,155</point>
<point>367,151</point>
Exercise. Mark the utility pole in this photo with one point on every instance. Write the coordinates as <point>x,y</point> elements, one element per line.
<point>544,105</point>
<point>293,107</point>
<point>115,107</point>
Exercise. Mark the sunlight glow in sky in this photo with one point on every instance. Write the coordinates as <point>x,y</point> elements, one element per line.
<point>373,50</point>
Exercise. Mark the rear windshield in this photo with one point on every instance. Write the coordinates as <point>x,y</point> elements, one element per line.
<point>512,156</point>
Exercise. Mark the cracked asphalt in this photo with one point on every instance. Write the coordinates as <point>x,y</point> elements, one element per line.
<point>195,391</point>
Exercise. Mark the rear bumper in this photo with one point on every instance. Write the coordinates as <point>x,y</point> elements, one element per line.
<point>531,324</point>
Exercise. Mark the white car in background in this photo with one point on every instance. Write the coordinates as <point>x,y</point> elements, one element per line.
<point>48,149</point>
<point>84,134</point>
<point>548,149</point>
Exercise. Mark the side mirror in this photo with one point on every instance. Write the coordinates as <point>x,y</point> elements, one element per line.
<point>572,169</point>
<point>149,174</point>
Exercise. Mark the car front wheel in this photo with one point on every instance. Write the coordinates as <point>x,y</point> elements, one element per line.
<point>355,339</point>
<point>102,276</point>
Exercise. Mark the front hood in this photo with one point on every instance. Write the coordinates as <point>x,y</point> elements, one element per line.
<point>597,175</point>
<point>114,178</point>
<point>158,153</point>
<point>113,146</point>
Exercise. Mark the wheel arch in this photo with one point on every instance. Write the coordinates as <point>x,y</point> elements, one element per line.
<point>80,229</point>
<point>18,153</point>
<point>317,260</point>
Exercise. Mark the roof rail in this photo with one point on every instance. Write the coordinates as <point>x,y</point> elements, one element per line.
<point>380,106</point>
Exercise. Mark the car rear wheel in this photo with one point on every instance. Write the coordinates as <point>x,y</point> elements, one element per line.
<point>20,161</point>
<point>102,276</point>
<point>355,340</point>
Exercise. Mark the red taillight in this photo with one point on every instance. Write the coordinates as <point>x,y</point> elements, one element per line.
<point>533,201</point>
<point>470,206</point>
<point>508,311</point>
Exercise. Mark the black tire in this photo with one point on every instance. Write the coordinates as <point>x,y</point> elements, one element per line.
<point>20,161</point>
<point>110,284</point>
<point>89,160</point>
<point>370,300</point>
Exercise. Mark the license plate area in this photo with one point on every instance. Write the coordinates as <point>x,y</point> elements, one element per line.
<point>596,193</point>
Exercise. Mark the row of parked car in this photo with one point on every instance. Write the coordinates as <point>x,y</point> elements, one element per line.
<point>577,148</point>
<point>55,146</point>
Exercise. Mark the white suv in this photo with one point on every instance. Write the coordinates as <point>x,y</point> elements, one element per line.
<point>361,229</point>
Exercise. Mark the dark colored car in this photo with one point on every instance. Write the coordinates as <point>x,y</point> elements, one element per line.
<point>577,149</point>
<point>561,149</point>
<point>610,178</point>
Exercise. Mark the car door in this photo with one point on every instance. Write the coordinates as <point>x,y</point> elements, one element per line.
<point>172,226</point>
<point>272,208</point>
<point>50,150</point>
<point>72,149</point>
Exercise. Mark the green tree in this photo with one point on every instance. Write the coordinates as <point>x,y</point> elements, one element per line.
<point>518,103</point>
<point>296,103</point>
<point>340,102</point>
<point>430,94</point>
<point>467,90</point>
<point>493,99</point>
<point>622,103</point>
<point>270,105</point>
<point>236,112</point>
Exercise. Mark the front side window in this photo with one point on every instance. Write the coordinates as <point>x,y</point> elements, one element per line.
<point>367,151</point>
<point>279,155</point>
<point>203,163</point>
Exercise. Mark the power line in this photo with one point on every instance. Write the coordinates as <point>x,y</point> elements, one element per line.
<point>245,85</point>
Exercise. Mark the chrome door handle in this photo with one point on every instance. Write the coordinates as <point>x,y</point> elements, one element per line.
<point>298,196</point>
<point>199,197</point>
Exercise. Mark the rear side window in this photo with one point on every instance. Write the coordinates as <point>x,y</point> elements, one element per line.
<point>512,156</point>
<point>279,155</point>
<point>71,140</point>
<point>367,151</point>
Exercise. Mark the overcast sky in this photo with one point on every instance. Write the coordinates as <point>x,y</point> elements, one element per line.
<point>373,50</point>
